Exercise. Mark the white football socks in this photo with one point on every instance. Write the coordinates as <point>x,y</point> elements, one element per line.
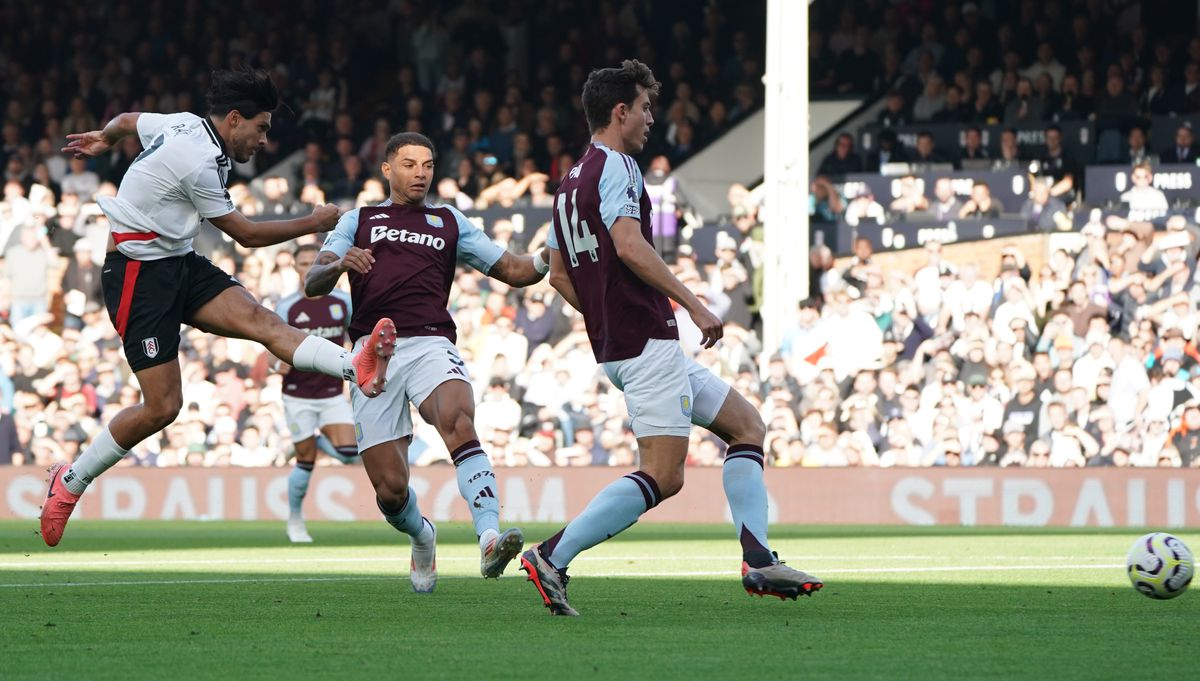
<point>324,356</point>
<point>101,455</point>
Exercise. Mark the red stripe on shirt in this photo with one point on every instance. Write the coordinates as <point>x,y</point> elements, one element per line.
<point>131,274</point>
<point>133,236</point>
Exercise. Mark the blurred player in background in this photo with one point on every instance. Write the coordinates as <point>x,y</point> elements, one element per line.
<point>603,262</point>
<point>312,402</point>
<point>153,281</point>
<point>401,258</point>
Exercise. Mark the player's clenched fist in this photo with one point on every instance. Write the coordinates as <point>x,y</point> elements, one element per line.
<point>357,260</point>
<point>327,215</point>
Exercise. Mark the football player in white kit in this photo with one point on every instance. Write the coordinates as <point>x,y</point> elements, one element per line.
<point>153,280</point>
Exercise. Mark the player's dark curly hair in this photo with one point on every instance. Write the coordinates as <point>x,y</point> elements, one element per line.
<point>408,139</point>
<point>605,88</point>
<point>247,91</point>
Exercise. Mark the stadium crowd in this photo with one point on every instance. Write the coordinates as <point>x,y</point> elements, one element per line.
<point>1088,361</point>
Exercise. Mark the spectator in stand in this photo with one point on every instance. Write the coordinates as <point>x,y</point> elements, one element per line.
<point>1023,107</point>
<point>1010,151</point>
<point>1044,212</point>
<point>1185,99</point>
<point>932,99</point>
<point>889,150</point>
<point>1145,201</point>
<point>973,149</point>
<point>842,159</point>
<point>926,151</point>
<point>912,196</point>
<point>985,109</point>
<point>955,109</point>
<point>895,113</point>
<point>946,205</point>
<point>981,204</point>
<point>1135,151</point>
<point>1058,165</point>
<point>1184,150</point>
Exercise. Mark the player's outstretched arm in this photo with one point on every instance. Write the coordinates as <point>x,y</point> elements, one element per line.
<point>96,142</point>
<point>328,268</point>
<point>639,256</point>
<point>521,270</point>
<point>258,234</point>
<point>560,280</point>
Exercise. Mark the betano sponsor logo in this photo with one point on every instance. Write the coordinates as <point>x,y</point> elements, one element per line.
<point>380,233</point>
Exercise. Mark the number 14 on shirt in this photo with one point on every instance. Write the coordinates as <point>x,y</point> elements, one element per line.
<point>579,238</point>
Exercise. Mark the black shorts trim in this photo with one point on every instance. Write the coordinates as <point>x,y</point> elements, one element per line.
<point>148,300</point>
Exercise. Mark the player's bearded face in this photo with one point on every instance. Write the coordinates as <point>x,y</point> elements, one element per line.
<point>635,128</point>
<point>409,172</point>
<point>247,135</point>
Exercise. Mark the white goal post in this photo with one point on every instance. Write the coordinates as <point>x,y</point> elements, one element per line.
<point>785,169</point>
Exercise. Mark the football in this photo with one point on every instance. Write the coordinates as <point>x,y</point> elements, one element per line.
<point>1160,566</point>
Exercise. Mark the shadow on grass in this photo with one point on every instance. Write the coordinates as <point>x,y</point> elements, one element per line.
<point>222,623</point>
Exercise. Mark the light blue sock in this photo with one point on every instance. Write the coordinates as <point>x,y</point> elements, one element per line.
<point>477,485</point>
<point>611,512</point>
<point>345,455</point>
<point>407,518</point>
<point>298,486</point>
<point>747,494</point>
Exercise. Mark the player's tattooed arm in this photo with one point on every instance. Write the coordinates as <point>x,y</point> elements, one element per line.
<point>520,270</point>
<point>560,280</point>
<point>328,268</point>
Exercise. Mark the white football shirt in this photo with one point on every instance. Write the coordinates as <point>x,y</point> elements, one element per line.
<point>177,182</point>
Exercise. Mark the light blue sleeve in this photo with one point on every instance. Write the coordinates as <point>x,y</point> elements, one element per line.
<point>285,306</point>
<point>620,189</point>
<point>341,238</point>
<point>552,236</point>
<point>345,298</point>
<point>474,246</point>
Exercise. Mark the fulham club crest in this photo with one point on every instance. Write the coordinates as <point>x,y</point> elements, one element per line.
<point>150,347</point>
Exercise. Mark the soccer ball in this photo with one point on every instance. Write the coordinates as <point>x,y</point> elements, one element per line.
<point>1160,566</point>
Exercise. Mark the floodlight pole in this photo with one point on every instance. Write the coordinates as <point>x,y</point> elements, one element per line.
<point>785,170</point>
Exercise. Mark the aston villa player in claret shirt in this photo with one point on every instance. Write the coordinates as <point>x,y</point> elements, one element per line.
<point>401,257</point>
<point>603,262</point>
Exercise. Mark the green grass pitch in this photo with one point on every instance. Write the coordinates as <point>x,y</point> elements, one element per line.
<point>172,600</point>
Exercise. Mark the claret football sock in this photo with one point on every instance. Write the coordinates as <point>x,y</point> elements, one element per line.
<point>747,494</point>
<point>298,486</point>
<point>101,455</point>
<point>611,512</point>
<point>477,484</point>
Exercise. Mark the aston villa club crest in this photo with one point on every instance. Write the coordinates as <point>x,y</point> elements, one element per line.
<point>434,221</point>
<point>335,311</point>
<point>150,347</point>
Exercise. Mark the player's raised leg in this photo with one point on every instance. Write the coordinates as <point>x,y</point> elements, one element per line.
<point>739,424</point>
<point>162,397</point>
<point>234,313</point>
<point>450,408</point>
